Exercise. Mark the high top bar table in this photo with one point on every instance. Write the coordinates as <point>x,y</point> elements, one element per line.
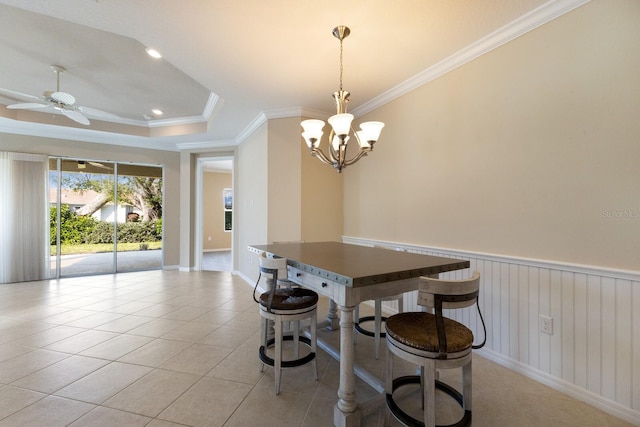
<point>349,274</point>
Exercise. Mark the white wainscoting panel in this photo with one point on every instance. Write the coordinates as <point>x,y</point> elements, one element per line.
<point>594,351</point>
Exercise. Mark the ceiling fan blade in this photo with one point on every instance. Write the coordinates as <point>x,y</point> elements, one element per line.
<point>100,165</point>
<point>18,96</point>
<point>76,116</point>
<point>96,113</point>
<point>27,106</point>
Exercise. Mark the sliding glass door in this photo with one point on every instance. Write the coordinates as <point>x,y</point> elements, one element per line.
<point>105,217</point>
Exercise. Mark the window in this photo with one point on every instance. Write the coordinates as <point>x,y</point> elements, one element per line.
<point>227,195</point>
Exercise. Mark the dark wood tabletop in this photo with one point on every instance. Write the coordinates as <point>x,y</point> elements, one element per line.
<point>354,265</point>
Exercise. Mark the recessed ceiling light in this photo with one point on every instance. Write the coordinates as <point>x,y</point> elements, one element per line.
<point>157,112</point>
<point>153,53</point>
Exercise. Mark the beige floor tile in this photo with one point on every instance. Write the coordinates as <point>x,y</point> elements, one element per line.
<point>191,332</point>
<point>218,317</point>
<point>124,324</point>
<point>11,350</point>
<point>197,359</point>
<point>162,423</point>
<point>186,313</point>
<point>229,337</point>
<point>60,374</point>
<point>13,399</point>
<point>241,366</point>
<point>155,353</point>
<point>96,319</point>
<point>22,329</point>
<point>25,364</point>
<point>67,316</point>
<point>131,307</point>
<point>157,327</point>
<point>157,310</point>
<point>152,393</point>
<point>81,341</point>
<point>285,409</point>
<point>117,347</point>
<point>210,402</point>
<point>49,336</point>
<point>51,411</point>
<point>104,417</point>
<point>320,412</point>
<point>104,383</point>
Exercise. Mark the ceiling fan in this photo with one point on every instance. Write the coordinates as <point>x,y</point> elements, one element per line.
<point>63,102</point>
<point>82,164</point>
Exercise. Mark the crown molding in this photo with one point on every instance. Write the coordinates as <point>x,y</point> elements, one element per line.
<point>528,22</point>
<point>188,146</point>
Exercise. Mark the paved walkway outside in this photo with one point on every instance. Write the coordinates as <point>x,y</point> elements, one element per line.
<point>85,264</point>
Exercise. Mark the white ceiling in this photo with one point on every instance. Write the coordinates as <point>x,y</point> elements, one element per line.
<point>228,64</point>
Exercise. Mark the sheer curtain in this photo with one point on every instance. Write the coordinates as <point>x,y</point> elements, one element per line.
<point>24,217</point>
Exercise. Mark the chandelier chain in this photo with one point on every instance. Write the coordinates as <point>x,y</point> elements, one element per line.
<point>340,64</point>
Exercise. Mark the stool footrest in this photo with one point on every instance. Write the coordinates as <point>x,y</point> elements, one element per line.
<point>364,331</point>
<point>286,363</point>
<point>408,420</point>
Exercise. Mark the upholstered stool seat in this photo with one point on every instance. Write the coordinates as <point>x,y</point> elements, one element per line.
<point>433,342</point>
<point>419,331</point>
<point>285,305</point>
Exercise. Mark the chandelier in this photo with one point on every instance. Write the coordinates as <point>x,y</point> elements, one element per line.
<point>340,126</point>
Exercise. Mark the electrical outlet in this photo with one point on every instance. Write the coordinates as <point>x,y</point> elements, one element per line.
<point>546,324</point>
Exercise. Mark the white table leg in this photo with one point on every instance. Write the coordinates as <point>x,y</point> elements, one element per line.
<point>332,318</point>
<point>345,410</point>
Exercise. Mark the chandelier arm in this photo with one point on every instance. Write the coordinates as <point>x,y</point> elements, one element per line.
<point>361,154</point>
<point>319,154</point>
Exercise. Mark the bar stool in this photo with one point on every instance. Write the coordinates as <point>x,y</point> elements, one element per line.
<point>433,342</point>
<point>280,305</point>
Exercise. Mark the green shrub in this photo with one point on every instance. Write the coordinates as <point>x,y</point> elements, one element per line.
<point>77,229</point>
<point>74,227</point>
<point>128,232</point>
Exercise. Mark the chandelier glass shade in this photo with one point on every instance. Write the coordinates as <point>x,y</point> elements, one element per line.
<point>341,129</point>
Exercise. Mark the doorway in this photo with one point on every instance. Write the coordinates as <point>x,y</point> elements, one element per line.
<point>215,214</point>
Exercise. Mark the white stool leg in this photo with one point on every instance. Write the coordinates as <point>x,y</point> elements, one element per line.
<point>263,337</point>
<point>296,339</point>
<point>466,386</point>
<point>277,366</point>
<point>388,385</point>
<point>429,393</point>
<point>314,347</point>
<point>378,326</point>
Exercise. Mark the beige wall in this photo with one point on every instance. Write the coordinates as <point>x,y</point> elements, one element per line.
<point>282,193</point>
<point>322,199</point>
<point>214,237</point>
<point>284,180</point>
<point>77,149</point>
<point>529,151</point>
<point>250,193</point>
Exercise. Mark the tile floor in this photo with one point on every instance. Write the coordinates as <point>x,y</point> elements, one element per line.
<point>164,348</point>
